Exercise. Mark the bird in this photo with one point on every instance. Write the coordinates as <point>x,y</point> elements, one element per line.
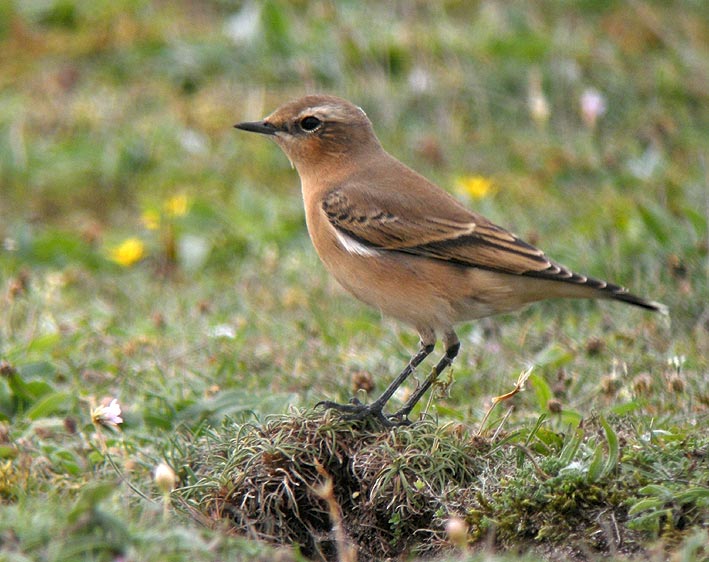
<point>402,244</point>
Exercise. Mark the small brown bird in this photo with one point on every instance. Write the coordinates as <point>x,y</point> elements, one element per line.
<point>400,243</point>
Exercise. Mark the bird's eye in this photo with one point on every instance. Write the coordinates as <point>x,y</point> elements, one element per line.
<point>310,123</point>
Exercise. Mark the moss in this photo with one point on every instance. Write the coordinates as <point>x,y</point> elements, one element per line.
<point>604,515</point>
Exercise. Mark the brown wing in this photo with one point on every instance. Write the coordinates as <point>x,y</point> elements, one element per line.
<point>435,226</point>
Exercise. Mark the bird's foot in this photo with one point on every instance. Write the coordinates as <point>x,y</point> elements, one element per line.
<point>401,417</point>
<point>355,410</point>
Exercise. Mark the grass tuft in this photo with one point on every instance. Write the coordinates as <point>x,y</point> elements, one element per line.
<point>265,481</point>
<point>394,490</point>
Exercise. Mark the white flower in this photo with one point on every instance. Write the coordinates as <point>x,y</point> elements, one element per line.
<point>536,100</point>
<point>539,107</point>
<point>593,105</point>
<point>419,80</point>
<point>244,27</point>
<point>107,416</point>
<point>677,361</point>
<point>223,331</point>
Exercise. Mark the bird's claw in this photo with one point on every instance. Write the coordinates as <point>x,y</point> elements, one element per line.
<point>399,419</point>
<point>352,406</point>
<point>355,410</point>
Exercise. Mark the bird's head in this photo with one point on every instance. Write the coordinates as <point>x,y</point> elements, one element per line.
<point>317,130</point>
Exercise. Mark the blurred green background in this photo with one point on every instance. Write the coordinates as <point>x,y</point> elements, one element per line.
<point>152,253</point>
<point>109,108</point>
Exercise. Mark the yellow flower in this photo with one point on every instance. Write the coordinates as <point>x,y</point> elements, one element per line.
<point>128,252</point>
<point>177,205</point>
<point>151,219</point>
<point>8,478</point>
<point>476,187</point>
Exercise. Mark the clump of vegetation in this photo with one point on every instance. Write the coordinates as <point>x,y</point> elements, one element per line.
<point>600,500</point>
<point>389,487</point>
<point>394,490</point>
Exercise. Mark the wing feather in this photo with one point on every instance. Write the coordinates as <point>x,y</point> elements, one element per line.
<point>465,239</point>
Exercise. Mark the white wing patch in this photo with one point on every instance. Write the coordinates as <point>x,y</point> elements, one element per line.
<point>354,247</point>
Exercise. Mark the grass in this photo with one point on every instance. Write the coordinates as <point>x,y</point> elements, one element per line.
<point>220,334</point>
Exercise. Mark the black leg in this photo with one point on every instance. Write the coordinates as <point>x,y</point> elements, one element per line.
<point>358,411</point>
<point>451,352</point>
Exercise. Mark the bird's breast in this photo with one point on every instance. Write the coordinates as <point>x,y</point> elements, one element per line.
<point>399,285</point>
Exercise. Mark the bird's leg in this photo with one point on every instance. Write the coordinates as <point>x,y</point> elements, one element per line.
<point>452,348</point>
<point>358,411</point>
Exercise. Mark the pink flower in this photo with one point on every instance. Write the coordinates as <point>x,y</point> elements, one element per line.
<point>593,105</point>
<point>107,415</point>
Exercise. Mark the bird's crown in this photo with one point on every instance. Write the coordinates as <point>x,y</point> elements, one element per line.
<point>309,113</point>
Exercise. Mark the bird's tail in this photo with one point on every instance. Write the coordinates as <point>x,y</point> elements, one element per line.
<point>618,293</point>
<point>582,286</point>
<point>621,294</point>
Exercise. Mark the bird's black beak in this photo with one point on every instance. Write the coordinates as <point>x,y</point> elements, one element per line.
<point>263,127</point>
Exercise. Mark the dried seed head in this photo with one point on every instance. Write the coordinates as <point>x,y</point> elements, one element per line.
<point>363,380</point>
<point>594,346</point>
<point>676,384</point>
<point>642,384</point>
<point>610,384</point>
<point>554,406</point>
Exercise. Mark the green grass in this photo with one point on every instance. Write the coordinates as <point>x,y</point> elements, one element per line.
<point>219,342</point>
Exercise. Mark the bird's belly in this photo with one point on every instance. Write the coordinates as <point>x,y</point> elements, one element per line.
<point>430,293</point>
<point>399,285</point>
